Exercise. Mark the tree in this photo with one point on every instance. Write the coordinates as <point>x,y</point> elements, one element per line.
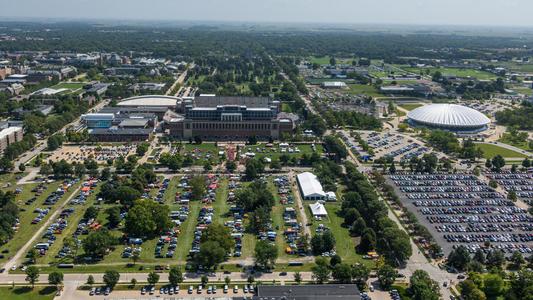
<point>322,242</point>
<point>358,228</point>
<point>498,162</point>
<point>106,174</point>
<point>470,291</point>
<point>90,280</point>
<point>32,275</point>
<point>422,287</point>
<point>97,243</point>
<point>32,256</point>
<point>133,282</point>
<point>368,241</point>
<point>254,167</point>
<point>360,274</point>
<point>153,278</point>
<point>22,167</point>
<point>55,278</point>
<point>111,278</point>
<point>211,255</point>
<point>147,218</point>
<point>175,277</point>
<point>335,260</point>
<point>198,187</point>
<point>488,164</point>
<point>479,256</point>
<point>517,259</point>
<point>135,256</point>
<point>493,285</point>
<point>512,196</point>
<point>342,273</point>
<point>142,148</point>
<point>231,166</point>
<point>79,170</point>
<point>113,216</point>
<point>495,259</point>
<point>521,286</point>
<point>227,280</point>
<point>297,277</point>
<point>220,234</point>
<point>394,244</point>
<point>204,279</point>
<point>90,213</point>
<point>459,258</point>
<point>526,163</point>
<point>351,215</point>
<point>321,270</point>
<point>265,254</point>
<point>386,276</point>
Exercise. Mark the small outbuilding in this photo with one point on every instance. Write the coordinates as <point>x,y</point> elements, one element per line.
<point>318,209</point>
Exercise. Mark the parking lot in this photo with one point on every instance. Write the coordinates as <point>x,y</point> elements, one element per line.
<point>460,209</point>
<point>100,153</point>
<point>521,183</point>
<point>397,146</point>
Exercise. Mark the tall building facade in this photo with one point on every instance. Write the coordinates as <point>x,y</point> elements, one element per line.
<point>226,118</point>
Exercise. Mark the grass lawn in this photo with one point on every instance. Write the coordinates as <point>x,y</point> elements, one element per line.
<point>345,244</point>
<point>26,293</point>
<point>523,145</point>
<point>482,75</point>
<point>26,215</point>
<point>69,85</point>
<point>364,89</point>
<point>285,107</point>
<point>73,220</point>
<point>490,150</point>
<point>410,106</point>
<point>261,151</point>
<point>200,152</point>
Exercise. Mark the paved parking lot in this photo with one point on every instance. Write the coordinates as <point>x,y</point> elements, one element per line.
<point>521,183</point>
<point>397,146</point>
<point>460,209</point>
<point>101,154</point>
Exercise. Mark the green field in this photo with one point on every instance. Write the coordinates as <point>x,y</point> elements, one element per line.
<point>26,215</point>
<point>26,293</point>
<point>410,106</point>
<point>481,75</point>
<point>490,150</point>
<point>345,244</point>
<point>506,140</point>
<point>363,89</point>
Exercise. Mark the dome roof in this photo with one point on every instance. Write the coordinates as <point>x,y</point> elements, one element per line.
<point>448,115</point>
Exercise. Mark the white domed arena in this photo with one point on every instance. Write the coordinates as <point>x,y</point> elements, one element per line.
<point>450,117</point>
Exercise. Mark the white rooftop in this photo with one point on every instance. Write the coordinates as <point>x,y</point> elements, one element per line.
<point>310,185</point>
<point>9,131</point>
<point>318,209</point>
<point>150,100</point>
<point>449,115</point>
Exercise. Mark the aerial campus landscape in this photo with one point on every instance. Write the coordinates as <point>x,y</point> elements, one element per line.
<point>220,160</point>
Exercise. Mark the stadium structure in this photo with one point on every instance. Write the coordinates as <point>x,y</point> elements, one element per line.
<point>451,117</point>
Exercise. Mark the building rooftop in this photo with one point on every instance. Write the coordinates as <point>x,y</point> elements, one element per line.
<point>120,131</point>
<point>9,131</point>
<point>133,122</point>
<point>151,100</point>
<point>448,115</point>
<point>308,292</point>
<point>214,101</point>
<point>310,185</point>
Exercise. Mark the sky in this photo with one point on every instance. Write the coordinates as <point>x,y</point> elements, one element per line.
<point>431,12</point>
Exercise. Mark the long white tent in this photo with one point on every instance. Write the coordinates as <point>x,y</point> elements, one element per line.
<point>310,187</point>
